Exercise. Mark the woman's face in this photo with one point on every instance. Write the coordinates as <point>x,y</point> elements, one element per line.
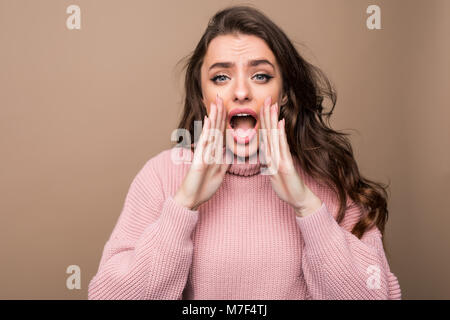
<point>243,71</point>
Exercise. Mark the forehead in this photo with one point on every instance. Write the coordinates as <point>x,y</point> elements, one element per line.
<point>237,48</point>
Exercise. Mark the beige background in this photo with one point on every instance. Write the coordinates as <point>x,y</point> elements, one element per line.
<point>81,111</point>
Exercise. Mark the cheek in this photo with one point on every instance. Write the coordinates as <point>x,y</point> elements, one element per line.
<point>208,106</point>
<point>208,96</point>
<point>206,103</point>
<point>210,99</point>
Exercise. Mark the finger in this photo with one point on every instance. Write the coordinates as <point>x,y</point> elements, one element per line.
<point>274,116</point>
<point>262,125</point>
<point>209,150</point>
<point>224,167</point>
<point>204,133</point>
<point>226,162</point>
<point>198,154</point>
<point>266,150</point>
<point>284,147</point>
<point>218,132</point>
<point>263,148</point>
<point>221,128</point>
<point>267,104</point>
<point>266,110</point>
<point>261,117</point>
<point>262,132</point>
<point>274,137</point>
<point>219,112</point>
<point>213,115</point>
<point>224,116</point>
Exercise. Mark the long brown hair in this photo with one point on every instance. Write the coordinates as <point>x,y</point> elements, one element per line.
<point>323,153</point>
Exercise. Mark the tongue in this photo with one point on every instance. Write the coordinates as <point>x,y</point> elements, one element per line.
<point>243,123</point>
<point>243,126</point>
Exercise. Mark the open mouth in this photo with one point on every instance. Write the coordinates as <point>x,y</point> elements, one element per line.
<point>243,120</point>
<point>243,123</point>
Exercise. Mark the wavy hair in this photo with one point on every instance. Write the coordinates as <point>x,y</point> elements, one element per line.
<point>323,153</point>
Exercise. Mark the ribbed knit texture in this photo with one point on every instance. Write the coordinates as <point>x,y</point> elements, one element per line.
<point>243,243</point>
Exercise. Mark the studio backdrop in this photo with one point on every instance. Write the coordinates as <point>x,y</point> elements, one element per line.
<point>91,90</point>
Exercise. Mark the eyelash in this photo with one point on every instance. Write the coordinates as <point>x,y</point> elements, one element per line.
<point>214,79</point>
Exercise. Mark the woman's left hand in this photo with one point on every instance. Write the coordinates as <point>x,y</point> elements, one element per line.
<point>279,164</point>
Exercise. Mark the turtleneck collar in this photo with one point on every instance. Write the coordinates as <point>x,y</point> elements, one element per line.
<point>243,167</point>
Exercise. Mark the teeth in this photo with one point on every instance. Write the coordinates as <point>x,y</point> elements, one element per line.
<point>240,115</point>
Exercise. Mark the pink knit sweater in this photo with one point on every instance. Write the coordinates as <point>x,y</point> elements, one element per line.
<point>243,243</point>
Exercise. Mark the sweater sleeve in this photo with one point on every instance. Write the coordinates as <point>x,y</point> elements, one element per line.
<point>149,252</point>
<point>338,266</point>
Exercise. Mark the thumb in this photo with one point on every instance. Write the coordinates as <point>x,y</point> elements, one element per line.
<point>227,160</point>
<point>224,167</point>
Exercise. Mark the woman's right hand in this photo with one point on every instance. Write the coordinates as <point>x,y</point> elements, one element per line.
<point>206,173</point>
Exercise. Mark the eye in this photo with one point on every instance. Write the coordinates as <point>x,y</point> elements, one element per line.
<point>266,77</point>
<point>214,79</point>
<point>262,76</point>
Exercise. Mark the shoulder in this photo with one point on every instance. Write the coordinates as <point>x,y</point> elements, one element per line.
<point>169,159</point>
<point>165,165</point>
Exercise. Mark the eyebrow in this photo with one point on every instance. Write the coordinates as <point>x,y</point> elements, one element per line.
<point>251,63</point>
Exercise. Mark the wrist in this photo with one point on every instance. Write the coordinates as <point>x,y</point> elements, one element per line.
<point>184,201</point>
<point>310,205</point>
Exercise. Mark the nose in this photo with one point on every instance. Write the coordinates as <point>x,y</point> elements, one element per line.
<point>242,92</point>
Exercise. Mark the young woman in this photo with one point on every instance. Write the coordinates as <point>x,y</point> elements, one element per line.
<point>311,227</point>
